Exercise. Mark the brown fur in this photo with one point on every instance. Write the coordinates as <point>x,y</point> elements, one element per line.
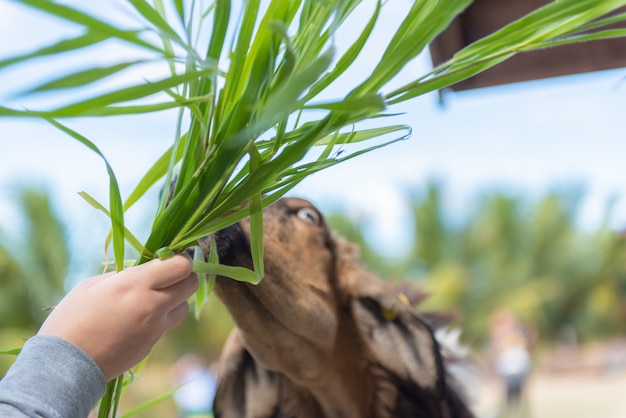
<point>320,336</point>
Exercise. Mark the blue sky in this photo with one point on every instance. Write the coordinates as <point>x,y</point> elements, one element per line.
<point>524,138</point>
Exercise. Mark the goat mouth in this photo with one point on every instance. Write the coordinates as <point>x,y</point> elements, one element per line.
<point>233,246</point>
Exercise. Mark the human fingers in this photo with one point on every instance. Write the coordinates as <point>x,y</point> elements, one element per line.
<point>177,315</point>
<point>180,291</point>
<point>159,274</point>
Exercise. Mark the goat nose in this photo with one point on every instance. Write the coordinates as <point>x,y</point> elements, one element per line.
<point>190,251</point>
<point>232,243</point>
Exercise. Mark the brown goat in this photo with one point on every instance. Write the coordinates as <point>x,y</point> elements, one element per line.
<point>320,336</point>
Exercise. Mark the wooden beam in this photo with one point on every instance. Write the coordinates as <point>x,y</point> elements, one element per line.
<point>484,17</point>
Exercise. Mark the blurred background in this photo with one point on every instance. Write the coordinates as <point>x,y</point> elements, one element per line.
<point>506,204</point>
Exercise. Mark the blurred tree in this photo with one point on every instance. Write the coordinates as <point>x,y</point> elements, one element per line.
<point>353,231</point>
<point>431,236</point>
<point>14,298</point>
<point>33,266</point>
<point>535,260</point>
<point>532,258</point>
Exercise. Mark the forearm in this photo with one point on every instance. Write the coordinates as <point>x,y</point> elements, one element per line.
<point>51,378</point>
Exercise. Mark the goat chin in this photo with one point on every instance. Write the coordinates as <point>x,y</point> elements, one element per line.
<point>322,337</point>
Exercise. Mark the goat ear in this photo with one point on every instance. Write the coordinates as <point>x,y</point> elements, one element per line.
<point>244,388</point>
<point>399,339</point>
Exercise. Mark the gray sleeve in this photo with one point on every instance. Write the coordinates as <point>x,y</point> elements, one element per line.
<point>51,378</point>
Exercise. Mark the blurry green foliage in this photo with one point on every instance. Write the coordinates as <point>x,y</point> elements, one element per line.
<point>33,264</point>
<point>33,267</point>
<point>530,256</point>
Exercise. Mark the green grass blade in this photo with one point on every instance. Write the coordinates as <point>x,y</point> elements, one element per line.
<point>114,110</point>
<point>445,79</point>
<point>363,135</point>
<point>596,36</point>
<point>296,175</point>
<point>330,144</point>
<point>13,352</point>
<point>368,102</point>
<point>596,24</point>
<point>158,170</point>
<point>89,38</point>
<point>130,238</point>
<point>180,10</point>
<point>207,227</point>
<point>221,17</point>
<point>288,62</point>
<point>151,403</point>
<point>115,199</point>
<point>167,42</point>
<point>206,280</point>
<point>109,403</point>
<point>117,394</point>
<point>92,24</point>
<point>235,81</point>
<point>8,112</point>
<point>286,98</point>
<point>152,16</point>
<point>201,294</point>
<point>256,221</point>
<point>106,402</point>
<point>425,20</point>
<point>180,144</point>
<point>237,273</point>
<point>214,258</point>
<point>127,94</point>
<point>82,78</point>
<point>347,59</point>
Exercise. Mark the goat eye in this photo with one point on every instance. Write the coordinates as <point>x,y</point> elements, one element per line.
<point>309,215</point>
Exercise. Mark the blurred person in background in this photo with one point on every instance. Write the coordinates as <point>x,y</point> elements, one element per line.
<point>196,387</point>
<point>509,351</point>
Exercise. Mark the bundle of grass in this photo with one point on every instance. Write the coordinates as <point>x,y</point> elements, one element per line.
<point>247,87</point>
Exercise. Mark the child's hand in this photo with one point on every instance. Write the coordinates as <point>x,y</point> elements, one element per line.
<point>117,318</point>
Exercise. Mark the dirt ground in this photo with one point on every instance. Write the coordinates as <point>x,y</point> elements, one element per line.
<point>566,382</point>
<point>560,395</point>
<point>548,395</point>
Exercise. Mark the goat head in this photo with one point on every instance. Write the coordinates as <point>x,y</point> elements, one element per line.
<point>320,336</point>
